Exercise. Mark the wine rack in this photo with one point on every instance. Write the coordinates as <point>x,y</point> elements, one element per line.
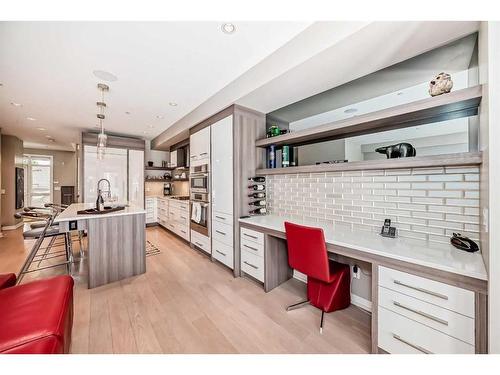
<point>257,196</point>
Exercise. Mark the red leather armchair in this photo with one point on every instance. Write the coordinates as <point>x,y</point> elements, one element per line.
<point>36,318</point>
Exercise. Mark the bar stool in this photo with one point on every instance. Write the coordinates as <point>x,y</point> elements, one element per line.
<point>328,282</point>
<point>39,235</point>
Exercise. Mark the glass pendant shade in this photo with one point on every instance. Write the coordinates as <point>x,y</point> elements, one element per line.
<point>101,145</point>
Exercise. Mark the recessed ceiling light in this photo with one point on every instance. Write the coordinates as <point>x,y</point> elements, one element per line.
<point>105,76</point>
<point>228,28</point>
<point>41,129</point>
<point>400,93</point>
<point>127,112</point>
<point>172,104</point>
<point>351,110</point>
<point>1,84</point>
<point>16,104</point>
<point>160,117</point>
<point>151,126</point>
<point>145,132</point>
<point>48,136</point>
<point>30,118</point>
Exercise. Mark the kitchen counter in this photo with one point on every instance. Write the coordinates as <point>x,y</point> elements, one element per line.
<point>438,256</point>
<point>71,213</point>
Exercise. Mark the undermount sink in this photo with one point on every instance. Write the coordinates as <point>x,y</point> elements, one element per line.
<point>94,211</point>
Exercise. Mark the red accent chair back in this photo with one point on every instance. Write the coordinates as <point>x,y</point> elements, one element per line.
<point>307,251</point>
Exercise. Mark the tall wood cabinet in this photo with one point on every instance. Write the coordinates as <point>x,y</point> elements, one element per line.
<point>230,136</point>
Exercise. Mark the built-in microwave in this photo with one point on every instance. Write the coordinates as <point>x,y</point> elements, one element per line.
<point>199,179</point>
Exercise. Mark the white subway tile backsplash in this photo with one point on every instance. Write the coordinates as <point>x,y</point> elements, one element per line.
<point>423,203</point>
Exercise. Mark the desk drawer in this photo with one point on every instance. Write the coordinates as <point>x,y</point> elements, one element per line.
<point>400,335</point>
<point>440,294</point>
<point>252,235</point>
<point>252,265</point>
<point>252,247</point>
<point>451,323</point>
<point>222,233</point>
<point>223,253</point>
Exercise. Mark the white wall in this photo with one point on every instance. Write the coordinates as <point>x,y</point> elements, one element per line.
<point>493,102</point>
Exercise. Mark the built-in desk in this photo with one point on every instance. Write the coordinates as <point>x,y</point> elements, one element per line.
<point>423,261</point>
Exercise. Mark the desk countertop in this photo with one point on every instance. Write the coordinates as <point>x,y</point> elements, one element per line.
<point>429,254</point>
<point>70,213</point>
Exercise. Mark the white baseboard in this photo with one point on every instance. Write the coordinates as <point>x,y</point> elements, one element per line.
<point>13,227</point>
<point>355,300</point>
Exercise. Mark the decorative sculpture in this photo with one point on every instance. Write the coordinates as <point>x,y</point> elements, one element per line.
<point>400,150</point>
<point>442,84</point>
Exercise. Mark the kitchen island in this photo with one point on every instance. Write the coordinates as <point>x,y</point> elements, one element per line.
<point>116,241</point>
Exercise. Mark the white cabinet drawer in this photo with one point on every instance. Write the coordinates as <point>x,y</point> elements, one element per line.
<point>222,218</point>
<point>201,241</point>
<point>400,335</point>
<point>446,321</point>
<point>440,294</point>
<point>222,233</point>
<point>223,253</point>
<point>252,235</point>
<point>182,231</point>
<point>252,265</point>
<point>252,247</point>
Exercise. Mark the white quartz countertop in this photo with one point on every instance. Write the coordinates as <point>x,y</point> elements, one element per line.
<point>443,257</point>
<point>70,213</point>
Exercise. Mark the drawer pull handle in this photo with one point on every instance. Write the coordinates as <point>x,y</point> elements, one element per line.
<point>251,248</point>
<point>414,346</point>
<point>198,244</point>
<point>435,294</point>
<point>220,252</point>
<point>183,231</point>
<point>204,153</point>
<point>428,316</point>
<point>220,217</point>
<point>248,235</point>
<point>218,231</point>
<point>251,265</point>
<point>183,217</point>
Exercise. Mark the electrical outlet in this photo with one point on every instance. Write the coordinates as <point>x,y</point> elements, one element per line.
<point>356,272</point>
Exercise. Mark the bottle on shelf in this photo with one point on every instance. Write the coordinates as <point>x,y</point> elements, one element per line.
<point>258,187</point>
<point>271,156</point>
<point>285,156</point>
<point>257,179</point>
<point>257,203</point>
<point>257,195</point>
<point>258,211</point>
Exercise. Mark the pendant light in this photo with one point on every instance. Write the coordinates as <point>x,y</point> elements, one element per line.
<point>101,137</point>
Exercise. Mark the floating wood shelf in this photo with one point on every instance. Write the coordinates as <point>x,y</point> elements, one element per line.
<point>159,168</point>
<point>467,158</point>
<point>460,103</point>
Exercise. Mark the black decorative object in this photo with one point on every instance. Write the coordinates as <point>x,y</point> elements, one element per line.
<point>463,243</point>
<point>19,188</point>
<point>150,163</point>
<point>400,150</point>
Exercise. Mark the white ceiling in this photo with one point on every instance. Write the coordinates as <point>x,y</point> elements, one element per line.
<point>323,56</point>
<point>47,67</point>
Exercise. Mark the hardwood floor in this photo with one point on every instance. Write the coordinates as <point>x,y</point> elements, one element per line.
<point>187,304</point>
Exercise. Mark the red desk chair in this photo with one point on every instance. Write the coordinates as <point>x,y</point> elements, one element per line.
<point>328,282</point>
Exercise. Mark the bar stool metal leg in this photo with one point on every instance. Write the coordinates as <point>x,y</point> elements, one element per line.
<point>321,323</point>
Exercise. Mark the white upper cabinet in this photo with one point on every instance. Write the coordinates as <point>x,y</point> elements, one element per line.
<point>222,166</point>
<point>199,144</point>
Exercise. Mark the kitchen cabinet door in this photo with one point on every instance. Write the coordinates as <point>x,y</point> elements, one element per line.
<point>222,166</point>
<point>136,177</point>
<point>199,143</point>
